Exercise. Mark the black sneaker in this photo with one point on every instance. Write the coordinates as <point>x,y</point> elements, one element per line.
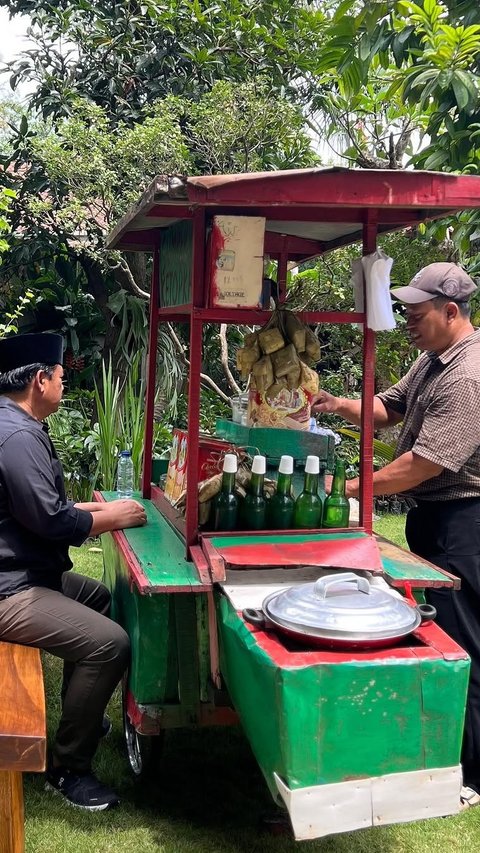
<point>81,791</point>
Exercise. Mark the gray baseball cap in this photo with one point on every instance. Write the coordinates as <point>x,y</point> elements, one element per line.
<point>440,279</point>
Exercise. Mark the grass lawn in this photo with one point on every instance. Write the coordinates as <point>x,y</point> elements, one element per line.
<point>208,796</point>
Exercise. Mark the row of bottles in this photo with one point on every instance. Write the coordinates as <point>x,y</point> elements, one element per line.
<point>312,508</point>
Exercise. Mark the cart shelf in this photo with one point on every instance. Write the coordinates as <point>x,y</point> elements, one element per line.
<point>155,553</point>
<point>273,443</point>
<point>352,550</point>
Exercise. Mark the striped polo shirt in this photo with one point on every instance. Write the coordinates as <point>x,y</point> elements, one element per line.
<point>439,399</point>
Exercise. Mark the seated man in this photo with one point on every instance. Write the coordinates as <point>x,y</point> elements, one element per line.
<point>42,603</point>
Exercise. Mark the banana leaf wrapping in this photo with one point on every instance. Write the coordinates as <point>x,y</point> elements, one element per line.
<point>312,345</point>
<point>296,331</point>
<point>246,358</point>
<point>271,340</point>
<point>263,373</point>
<point>284,361</point>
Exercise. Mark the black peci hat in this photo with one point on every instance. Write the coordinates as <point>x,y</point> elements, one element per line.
<point>21,350</point>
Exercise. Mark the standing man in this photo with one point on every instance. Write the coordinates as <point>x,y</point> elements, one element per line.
<point>437,462</point>
<point>42,603</point>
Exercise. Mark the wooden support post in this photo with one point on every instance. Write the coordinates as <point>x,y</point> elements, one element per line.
<point>368,391</point>
<point>12,837</point>
<point>196,326</point>
<point>282,267</point>
<point>151,378</point>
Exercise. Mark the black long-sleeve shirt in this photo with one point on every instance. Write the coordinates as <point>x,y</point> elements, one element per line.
<point>37,523</point>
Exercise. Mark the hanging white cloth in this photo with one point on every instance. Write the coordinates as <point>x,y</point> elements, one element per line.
<point>371,276</point>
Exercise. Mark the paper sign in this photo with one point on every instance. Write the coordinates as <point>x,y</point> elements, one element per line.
<point>236,261</point>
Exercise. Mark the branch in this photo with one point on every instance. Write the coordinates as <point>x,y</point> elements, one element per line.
<point>224,359</point>
<point>127,281</point>
<point>206,380</point>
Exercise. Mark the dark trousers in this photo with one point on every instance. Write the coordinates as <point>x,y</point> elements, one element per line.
<point>72,625</point>
<point>448,534</point>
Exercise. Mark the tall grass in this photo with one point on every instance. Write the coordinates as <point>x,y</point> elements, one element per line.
<point>105,434</point>
<point>120,422</point>
<point>132,415</point>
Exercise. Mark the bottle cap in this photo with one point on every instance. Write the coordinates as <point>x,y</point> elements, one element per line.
<point>258,465</point>
<point>286,465</point>
<point>230,463</point>
<point>125,453</point>
<point>312,465</point>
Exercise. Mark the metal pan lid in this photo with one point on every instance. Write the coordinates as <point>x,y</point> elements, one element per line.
<point>342,605</point>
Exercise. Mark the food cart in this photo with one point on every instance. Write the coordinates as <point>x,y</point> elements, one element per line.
<point>345,737</point>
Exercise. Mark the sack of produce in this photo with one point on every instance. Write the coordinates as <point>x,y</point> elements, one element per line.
<point>279,359</point>
<point>288,408</point>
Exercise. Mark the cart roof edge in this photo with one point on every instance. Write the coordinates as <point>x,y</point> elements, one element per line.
<point>325,205</point>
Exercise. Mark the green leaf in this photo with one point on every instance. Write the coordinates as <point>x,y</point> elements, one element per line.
<point>461,92</point>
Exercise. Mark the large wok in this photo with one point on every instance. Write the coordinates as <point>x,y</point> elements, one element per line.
<point>340,611</point>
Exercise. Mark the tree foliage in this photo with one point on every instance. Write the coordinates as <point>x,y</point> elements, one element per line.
<point>124,90</point>
<point>424,58</point>
<point>75,178</point>
<point>126,55</point>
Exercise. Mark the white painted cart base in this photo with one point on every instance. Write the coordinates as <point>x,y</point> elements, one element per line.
<point>396,798</point>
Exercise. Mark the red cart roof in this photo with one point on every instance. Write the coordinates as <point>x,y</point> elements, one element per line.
<point>319,208</point>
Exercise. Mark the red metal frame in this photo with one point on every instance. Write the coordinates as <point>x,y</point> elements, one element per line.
<point>368,392</point>
<point>196,326</point>
<point>256,317</point>
<point>151,377</point>
<point>366,202</point>
<point>198,314</point>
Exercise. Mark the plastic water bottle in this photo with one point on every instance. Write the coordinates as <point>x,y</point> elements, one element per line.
<point>125,475</point>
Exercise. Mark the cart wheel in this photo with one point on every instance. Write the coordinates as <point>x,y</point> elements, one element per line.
<point>143,751</point>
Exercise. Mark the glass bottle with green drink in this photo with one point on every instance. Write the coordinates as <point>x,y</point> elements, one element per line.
<point>253,508</point>
<point>337,506</point>
<point>281,506</point>
<point>225,504</point>
<point>309,504</point>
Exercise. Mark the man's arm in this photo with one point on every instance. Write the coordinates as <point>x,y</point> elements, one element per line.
<point>89,506</point>
<point>351,410</point>
<point>404,473</point>
<point>114,515</point>
<point>117,515</point>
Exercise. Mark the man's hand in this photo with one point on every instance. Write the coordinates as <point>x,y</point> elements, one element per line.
<point>130,513</point>
<point>351,409</point>
<point>118,515</point>
<point>325,402</point>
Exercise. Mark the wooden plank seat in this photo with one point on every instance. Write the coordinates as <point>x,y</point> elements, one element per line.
<point>22,736</point>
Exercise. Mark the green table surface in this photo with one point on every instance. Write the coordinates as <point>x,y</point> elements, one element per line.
<point>158,549</point>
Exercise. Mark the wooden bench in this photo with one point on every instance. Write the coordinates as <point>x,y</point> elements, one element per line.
<point>22,736</point>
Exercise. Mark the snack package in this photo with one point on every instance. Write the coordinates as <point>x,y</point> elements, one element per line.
<point>289,408</point>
